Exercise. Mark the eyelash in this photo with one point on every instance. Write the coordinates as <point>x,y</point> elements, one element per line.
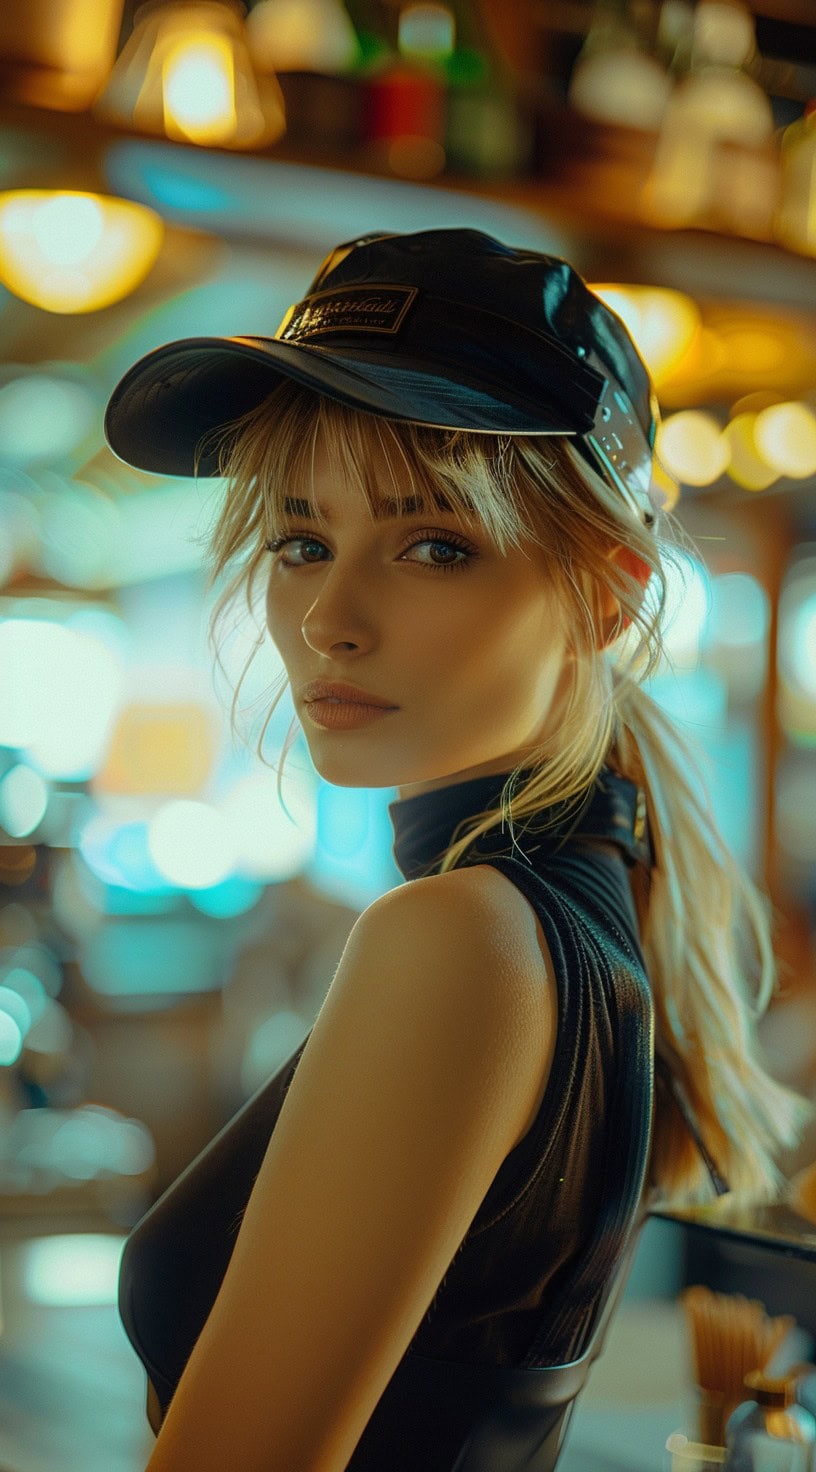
<point>447,541</point>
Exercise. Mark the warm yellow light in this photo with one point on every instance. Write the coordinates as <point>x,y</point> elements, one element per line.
<point>186,72</point>
<point>724,33</point>
<point>746,466</point>
<point>721,104</point>
<point>621,84</point>
<point>692,447</point>
<point>785,435</point>
<point>664,323</point>
<point>69,251</point>
<point>301,36</point>
<point>198,87</point>
<point>711,157</point>
<point>796,214</point>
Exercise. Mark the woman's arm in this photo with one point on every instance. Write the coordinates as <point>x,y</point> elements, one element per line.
<point>416,1082</point>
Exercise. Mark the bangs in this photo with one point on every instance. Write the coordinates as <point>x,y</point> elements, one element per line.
<point>274,448</point>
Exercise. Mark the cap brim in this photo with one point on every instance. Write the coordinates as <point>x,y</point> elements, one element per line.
<point>166,404</point>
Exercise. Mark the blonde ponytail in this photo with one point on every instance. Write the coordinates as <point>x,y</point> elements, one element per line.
<point>706,936</point>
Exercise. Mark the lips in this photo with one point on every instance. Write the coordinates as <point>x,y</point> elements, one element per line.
<point>341,693</point>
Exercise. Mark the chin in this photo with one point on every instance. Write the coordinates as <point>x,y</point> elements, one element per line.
<point>359,771</point>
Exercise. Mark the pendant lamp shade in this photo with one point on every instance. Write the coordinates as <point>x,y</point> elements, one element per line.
<point>186,72</point>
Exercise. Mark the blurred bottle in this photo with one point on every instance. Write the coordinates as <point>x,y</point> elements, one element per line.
<point>769,1433</point>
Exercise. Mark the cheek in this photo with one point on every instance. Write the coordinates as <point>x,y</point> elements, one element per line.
<point>497,644</point>
<point>280,613</point>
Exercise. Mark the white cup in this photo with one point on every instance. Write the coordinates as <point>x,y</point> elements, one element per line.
<point>692,1456</point>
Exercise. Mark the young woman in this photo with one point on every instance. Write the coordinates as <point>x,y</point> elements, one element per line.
<point>401,1253</point>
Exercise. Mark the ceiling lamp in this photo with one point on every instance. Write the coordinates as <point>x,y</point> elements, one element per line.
<point>186,72</point>
<point>302,36</point>
<point>68,251</point>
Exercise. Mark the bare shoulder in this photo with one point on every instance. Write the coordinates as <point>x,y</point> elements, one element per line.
<point>493,922</point>
<point>467,951</point>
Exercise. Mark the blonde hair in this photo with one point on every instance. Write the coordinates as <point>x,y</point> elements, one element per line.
<point>705,928</point>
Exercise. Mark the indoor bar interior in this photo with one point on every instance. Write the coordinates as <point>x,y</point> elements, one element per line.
<point>550,265</point>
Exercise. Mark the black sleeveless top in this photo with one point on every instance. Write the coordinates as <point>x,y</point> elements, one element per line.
<point>542,1207</point>
<point>527,1284</point>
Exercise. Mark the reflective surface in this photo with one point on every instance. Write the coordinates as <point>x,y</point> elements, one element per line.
<point>782,1226</point>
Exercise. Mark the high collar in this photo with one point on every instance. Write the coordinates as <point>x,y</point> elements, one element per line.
<point>613,808</point>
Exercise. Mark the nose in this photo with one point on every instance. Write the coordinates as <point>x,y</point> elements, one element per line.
<point>336,616</point>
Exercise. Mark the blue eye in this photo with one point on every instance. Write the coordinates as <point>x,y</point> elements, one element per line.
<point>467,553</point>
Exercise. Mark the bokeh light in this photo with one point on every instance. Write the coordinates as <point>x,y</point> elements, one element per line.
<point>138,962</point>
<point>301,35</point>
<point>82,533</point>
<point>11,1040</point>
<point>664,323</point>
<point>43,418</point>
<point>62,688</point>
<point>70,251</point>
<point>29,987</point>
<point>71,1269</point>
<point>15,1007</point>
<point>621,85</point>
<point>117,850</point>
<point>23,800</point>
<point>746,465</point>
<point>785,436</point>
<point>796,693</point>
<point>270,845</point>
<point>53,1032</point>
<point>741,612</point>
<point>186,72</point>
<point>692,447</point>
<point>426,32</point>
<point>192,844</point>
<point>800,638</point>
<point>198,79</point>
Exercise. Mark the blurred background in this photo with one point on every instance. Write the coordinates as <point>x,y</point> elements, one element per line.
<point>168,926</point>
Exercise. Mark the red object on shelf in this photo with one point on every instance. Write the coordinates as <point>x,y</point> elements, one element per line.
<point>404,102</point>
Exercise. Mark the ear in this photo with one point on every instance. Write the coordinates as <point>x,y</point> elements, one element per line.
<point>613,622</point>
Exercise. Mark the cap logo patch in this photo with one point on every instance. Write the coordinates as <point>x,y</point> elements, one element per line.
<point>354,308</point>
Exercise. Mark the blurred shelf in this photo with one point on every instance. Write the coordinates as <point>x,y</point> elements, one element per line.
<point>582,201</point>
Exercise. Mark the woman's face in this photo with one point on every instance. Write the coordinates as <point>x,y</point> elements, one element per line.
<point>472,657</point>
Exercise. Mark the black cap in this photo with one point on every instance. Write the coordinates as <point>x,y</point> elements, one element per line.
<point>443,327</point>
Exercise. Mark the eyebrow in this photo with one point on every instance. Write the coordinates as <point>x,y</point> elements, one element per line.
<point>388,508</point>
